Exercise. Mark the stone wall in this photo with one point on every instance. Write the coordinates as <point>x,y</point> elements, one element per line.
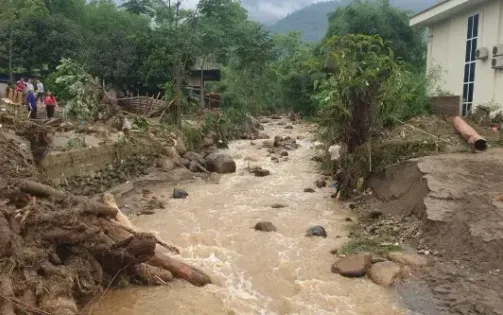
<point>89,171</point>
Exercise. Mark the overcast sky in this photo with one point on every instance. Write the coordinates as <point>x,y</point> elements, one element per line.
<point>265,11</point>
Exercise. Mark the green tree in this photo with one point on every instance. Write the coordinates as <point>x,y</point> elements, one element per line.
<point>379,17</point>
<point>16,17</point>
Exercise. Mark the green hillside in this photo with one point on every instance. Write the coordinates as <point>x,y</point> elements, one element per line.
<point>312,20</point>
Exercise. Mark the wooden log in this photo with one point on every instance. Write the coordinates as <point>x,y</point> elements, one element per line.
<point>180,269</point>
<point>151,275</point>
<point>41,190</point>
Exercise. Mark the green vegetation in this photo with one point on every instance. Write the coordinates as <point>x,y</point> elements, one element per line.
<point>365,75</point>
<point>380,246</point>
<point>312,23</point>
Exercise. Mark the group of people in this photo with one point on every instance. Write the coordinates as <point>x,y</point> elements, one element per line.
<point>32,96</point>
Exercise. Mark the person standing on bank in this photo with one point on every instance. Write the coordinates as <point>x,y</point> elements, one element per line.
<point>40,91</point>
<point>50,104</point>
<point>32,104</point>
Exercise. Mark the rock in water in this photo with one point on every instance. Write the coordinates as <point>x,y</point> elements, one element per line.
<point>321,183</point>
<point>289,127</point>
<point>316,231</point>
<point>283,153</point>
<point>409,259</point>
<point>309,190</point>
<point>265,227</point>
<point>259,171</point>
<point>278,206</point>
<point>353,266</point>
<point>384,273</point>
<point>179,193</point>
<point>220,163</point>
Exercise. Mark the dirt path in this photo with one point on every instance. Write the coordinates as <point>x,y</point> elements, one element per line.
<point>256,272</point>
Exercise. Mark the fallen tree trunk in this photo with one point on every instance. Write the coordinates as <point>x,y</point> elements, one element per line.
<point>180,269</point>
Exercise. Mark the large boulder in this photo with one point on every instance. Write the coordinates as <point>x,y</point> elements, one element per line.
<point>353,266</point>
<point>180,146</point>
<point>195,157</point>
<point>220,163</point>
<point>408,258</point>
<point>384,273</point>
<point>165,164</point>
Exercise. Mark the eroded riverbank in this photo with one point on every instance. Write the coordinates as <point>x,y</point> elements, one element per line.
<point>254,272</point>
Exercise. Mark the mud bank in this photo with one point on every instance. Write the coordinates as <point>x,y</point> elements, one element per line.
<point>449,208</point>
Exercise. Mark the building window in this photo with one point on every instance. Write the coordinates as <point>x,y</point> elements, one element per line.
<point>469,77</point>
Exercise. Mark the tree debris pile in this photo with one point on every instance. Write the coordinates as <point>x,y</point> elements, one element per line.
<point>58,251</point>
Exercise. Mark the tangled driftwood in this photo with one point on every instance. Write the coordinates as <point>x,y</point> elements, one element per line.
<point>57,251</point>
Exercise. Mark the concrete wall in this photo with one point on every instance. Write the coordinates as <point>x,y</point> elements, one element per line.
<point>77,162</point>
<point>446,49</point>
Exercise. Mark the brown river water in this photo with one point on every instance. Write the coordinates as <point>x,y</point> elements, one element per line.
<point>255,272</point>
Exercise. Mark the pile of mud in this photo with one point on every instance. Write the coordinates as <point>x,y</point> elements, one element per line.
<point>449,206</point>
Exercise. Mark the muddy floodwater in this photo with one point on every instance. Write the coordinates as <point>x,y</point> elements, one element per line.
<point>255,272</point>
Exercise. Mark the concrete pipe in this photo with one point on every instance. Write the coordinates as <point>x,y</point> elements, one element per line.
<point>476,142</point>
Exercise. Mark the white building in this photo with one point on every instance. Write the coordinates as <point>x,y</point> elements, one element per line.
<point>466,43</point>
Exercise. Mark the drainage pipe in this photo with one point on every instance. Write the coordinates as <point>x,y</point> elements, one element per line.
<point>476,142</point>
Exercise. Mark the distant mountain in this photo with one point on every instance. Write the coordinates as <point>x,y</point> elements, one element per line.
<point>313,23</point>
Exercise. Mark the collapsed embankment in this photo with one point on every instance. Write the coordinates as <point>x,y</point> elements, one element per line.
<point>450,208</point>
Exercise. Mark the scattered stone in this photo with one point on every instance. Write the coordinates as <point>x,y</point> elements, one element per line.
<point>179,193</point>
<point>277,140</point>
<point>274,159</point>
<point>252,143</point>
<point>309,190</point>
<point>384,273</point>
<point>318,158</point>
<point>146,191</point>
<point>320,183</point>
<point>220,163</point>
<point>348,220</point>
<point>147,211</point>
<point>275,117</point>
<point>377,259</point>
<point>283,153</point>
<point>263,135</point>
<point>288,127</point>
<point>264,121</point>
<point>281,123</point>
<point>407,258</point>
<point>265,227</point>
<point>334,195</point>
<point>278,206</point>
<point>259,171</point>
<point>193,167</point>
<point>195,157</point>
<point>208,142</point>
<point>375,214</point>
<point>334,251</point>
<point>316,231</point>
<point>180,146</point>
<point>353,266</point>
<point>184,162</point>
<point>165,164</point>
<point>268,143</point>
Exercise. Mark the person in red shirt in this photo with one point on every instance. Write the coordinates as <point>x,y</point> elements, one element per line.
<point>50,104</point>
<point>20,86</point>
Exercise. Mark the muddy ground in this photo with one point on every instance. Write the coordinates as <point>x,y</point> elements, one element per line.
<point>449,208</point>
